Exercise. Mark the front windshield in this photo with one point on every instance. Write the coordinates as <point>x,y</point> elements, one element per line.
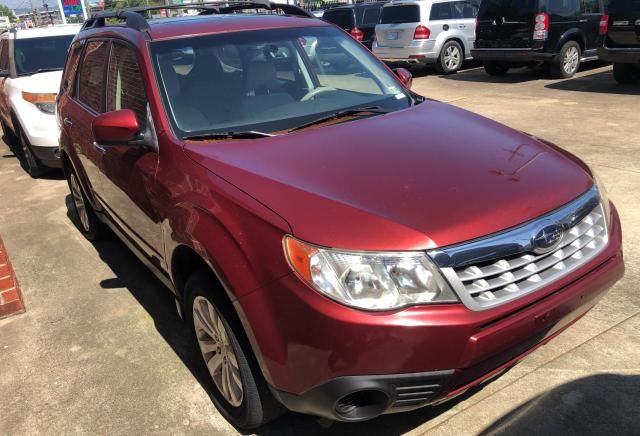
<point>269,81</point>
<point>44,53</point>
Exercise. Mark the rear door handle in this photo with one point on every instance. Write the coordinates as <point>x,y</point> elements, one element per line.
<point>462,26</point>
<point>584,21</point>
<point>68,121</point>
<point>99,148</point>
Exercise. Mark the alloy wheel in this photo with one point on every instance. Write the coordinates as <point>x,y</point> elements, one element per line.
<point>571,60</point>
<point>78,201</point>
<point>452,57</point>
<point>217,351</point>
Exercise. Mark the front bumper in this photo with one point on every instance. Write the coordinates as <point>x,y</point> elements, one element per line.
<point>49,156</point>
<point>314,352</point>
<point>518,55</point>
<point>619,55</point>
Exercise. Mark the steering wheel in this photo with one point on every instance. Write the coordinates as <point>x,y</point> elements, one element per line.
<point>311,94</point>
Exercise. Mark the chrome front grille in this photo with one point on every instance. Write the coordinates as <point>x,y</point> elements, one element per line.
<point>504,267</point>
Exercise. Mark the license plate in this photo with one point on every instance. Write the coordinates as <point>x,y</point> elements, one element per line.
<point>392,36</point>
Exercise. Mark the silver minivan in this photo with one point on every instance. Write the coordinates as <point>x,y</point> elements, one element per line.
<point>439,32</point>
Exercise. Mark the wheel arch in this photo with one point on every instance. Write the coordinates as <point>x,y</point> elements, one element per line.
<point>573,34</point>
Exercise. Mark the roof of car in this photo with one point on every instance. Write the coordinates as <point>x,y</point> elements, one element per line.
<point>357,5</point>
<point>168,28</point>
<point>39,32</point>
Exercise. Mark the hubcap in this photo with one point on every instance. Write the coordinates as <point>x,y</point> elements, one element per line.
<point>78,202</point>
<point>452,57</point>
<point>217,351</point>
<point>571,60</point>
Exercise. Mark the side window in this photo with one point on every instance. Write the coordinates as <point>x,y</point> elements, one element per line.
<point>125,88</point>
<point>371,16</point>
<point>71,67</point>
<point>91,80</point>
<point>564,8</point>
<point>590,6</point>
<point>441,11</point>
<point>4,54</point>
<point>463,10</point>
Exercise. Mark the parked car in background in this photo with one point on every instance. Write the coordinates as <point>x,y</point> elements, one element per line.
<point>359,20</point>
<point>622,44</point>
<point>31,63</point>
<point>436,32</point>
<point>252,162</point>
<point>5,23</point>
<point>559,33</point>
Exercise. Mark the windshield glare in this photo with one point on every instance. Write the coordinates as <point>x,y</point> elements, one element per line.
<point>45,53</point>
<point>269,81</point>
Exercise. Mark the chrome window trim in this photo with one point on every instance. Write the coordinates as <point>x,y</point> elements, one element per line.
<point>513,242</point>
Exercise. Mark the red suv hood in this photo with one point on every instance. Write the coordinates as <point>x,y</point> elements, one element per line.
<point>428,176</point>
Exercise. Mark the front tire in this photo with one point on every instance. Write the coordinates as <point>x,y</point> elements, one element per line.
<point>451,58</point>
<point>239,390</point>
<point>568,63</point>
<point>34,166</point>
<point>626,74</point>
<point>89,224</point>
<point>496,68</point>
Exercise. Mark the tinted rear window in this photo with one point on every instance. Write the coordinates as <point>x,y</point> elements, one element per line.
<point>343,18</point>
<point>440,11</point>
<point>509,9</point>
<point>371,15</point>
<point>44,53</point>
<point>624,6</point>
<point>400,14</point>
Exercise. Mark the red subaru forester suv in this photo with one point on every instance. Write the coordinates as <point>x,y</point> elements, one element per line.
<point>337,244</point>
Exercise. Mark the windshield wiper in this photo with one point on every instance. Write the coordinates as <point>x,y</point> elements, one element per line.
<point>340,114</point>
<point>248,134</point>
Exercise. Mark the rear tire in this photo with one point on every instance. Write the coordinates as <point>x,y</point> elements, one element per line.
<point>89,224</point>
<point>496,68</point>
<point>626,74</point>
<point>34,166</point>
<point>451,58</point>
<point>568,62</point>
<point>246,403</point>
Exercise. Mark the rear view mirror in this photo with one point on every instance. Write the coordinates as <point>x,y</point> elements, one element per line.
<point>406,78</point>
<point>117,127</point>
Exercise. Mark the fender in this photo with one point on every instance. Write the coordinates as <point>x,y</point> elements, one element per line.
<point>573,34</point>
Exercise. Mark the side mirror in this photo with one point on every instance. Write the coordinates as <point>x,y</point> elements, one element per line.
<point>117,127</point>
<point>406,78</point>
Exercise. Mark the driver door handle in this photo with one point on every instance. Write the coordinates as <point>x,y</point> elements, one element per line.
<point>68,121</point>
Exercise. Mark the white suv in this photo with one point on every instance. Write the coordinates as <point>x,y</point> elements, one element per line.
<point>427,31</point>
<point>31,63</point>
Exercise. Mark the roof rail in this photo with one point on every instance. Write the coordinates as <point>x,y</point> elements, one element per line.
<point>134,17</point>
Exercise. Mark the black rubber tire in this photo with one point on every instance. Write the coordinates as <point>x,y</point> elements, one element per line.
<point>495,68</point>
<point>626,74</point>
<point>33,166</point>
<point>96,229</point>
<point>557,66</point>
<point>8,134</point>
<point>258,406</point>
<point>441,66</point>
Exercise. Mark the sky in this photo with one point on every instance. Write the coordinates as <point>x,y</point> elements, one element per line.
<point>25,3</point>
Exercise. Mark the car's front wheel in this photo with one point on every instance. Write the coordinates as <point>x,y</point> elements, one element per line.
<point>626,74</point>
<point>89,223</point>
<point>34,166</point>
<point>451,58</point>
<point>239,390</point>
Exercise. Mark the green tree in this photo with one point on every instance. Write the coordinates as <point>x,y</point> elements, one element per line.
<point>5,11</point>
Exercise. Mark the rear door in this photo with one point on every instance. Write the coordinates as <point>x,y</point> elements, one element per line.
<point>624,23</point>
<point>398,23</point>
<point>370,17</point>
<point>464,14</point>
<point>343,18</point>
<point>591,13</point>
<point>506,23</point>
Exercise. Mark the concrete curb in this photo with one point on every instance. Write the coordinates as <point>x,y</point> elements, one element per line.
<point>10,296</point>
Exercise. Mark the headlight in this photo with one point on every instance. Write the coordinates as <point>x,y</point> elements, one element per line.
<point>44,102</point>
<point>369,280</point>
<point>604,195</point>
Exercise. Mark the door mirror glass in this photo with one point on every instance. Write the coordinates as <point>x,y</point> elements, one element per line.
<point>405,77</point>
<point>117,127</point>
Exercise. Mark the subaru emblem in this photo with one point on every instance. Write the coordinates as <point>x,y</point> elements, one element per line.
<point>547,239</point>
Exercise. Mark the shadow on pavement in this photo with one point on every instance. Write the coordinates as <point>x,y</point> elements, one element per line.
<point>516,75</point>
<point>599,82</point>
<point>604,404</point>
<point>17,152</point>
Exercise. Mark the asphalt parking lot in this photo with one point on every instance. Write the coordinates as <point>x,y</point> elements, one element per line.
<point>100,349</point>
